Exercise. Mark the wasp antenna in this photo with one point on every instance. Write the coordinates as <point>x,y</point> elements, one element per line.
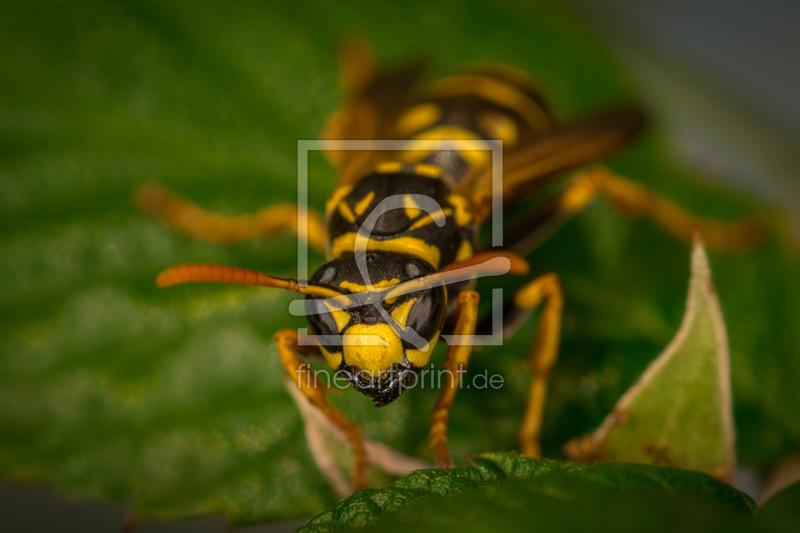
<point>519,266</point>
<point>479,265</point>
<point>203,272</point>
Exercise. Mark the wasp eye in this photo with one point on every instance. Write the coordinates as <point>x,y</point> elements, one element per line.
<point>326,274</point>
<point>414,269</point>
<point>427,312</point>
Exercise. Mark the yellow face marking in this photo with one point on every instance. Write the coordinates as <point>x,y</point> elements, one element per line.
<point>336,197</point>
<point>449,133</point>
<point>400,314</point>
<point>344,210</point>
<point>340,316</point>
<point>428,170</point>
<point>389,166</point>
<point>463,211</point>
<point>499,92</point>
<point>333,359</point>
<point>363,204</point>
<point>498,126</point>
<point>464,251</point>
<point>411,207</point>
<point>417,118</point>
<point>372,348</point>
<point>382,284</point>
<point>421,357</point>
<point>409,245</point>
<point>438,215</point>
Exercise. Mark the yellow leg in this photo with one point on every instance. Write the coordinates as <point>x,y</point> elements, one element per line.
<point>191,220</point>
<point>286,340</point>
<point>636,200</point>
<point>456,364</point>
<point>356,71</point>
<point>356,66</point>
<point>543,355</point>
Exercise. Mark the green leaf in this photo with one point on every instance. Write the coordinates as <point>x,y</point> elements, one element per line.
<point>679,412</point>
<point>114,390</point>
<point>506,489</point>
<point>781,510</point>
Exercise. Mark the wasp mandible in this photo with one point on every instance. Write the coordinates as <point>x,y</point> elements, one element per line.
<point>385,297</point>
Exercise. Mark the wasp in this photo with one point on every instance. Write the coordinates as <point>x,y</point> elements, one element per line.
<point>387,295</point>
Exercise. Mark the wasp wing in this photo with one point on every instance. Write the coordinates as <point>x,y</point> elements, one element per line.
<point>529,168</point>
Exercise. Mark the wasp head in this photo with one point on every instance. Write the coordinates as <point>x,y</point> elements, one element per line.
<point>378,336</point>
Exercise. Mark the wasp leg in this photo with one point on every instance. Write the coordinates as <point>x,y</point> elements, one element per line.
<point>456,364</point>
<point>356,66</point>
<point>286,340</point>
<point>529,233</point>
<point>544,352</point>
<point>356,71</point>
<point>191,220</point>
<point>636,200</point>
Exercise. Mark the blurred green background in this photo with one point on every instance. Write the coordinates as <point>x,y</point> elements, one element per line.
<point>171,402</point>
